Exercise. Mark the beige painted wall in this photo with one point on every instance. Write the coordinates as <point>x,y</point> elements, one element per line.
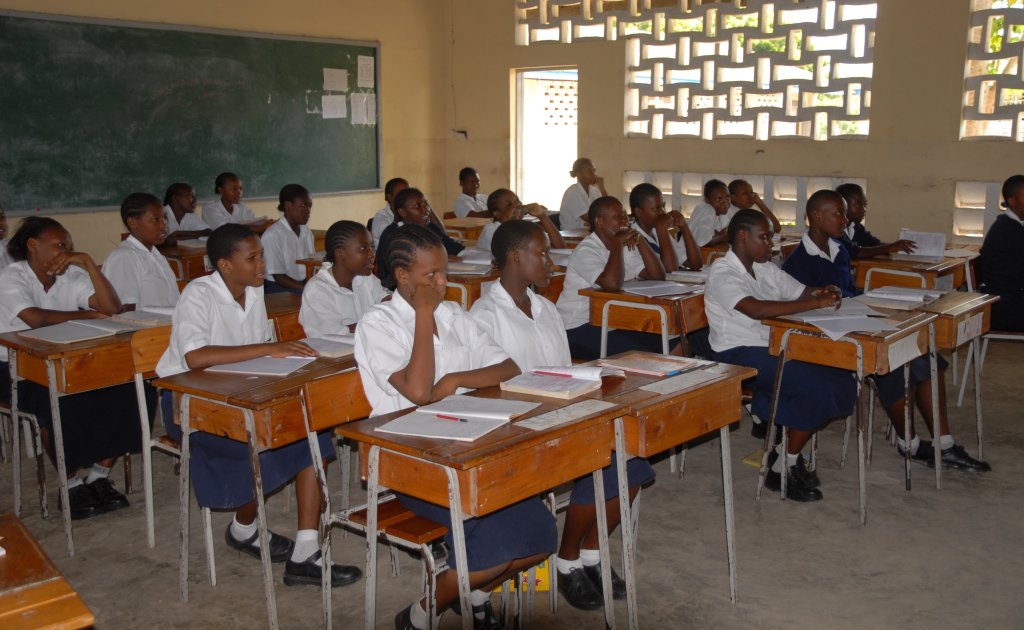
<point>413,73</point>
<point>911,161</point>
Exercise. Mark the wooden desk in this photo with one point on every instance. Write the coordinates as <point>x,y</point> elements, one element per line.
<point>68,368</point>
<point>683,313</point>
<point>954,268</point>
<point>283,303</point>
<point>573,237</point>
<point>190,262</point>
<point>319,239</point>
<point>312,264</point>
<point>706,251</point>
<point>477,478</point>
<point>466,289</point>
<point>33,593</point>
<point>468,228</point>
<point>263,412</point>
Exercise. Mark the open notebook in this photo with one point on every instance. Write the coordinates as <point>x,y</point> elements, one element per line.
<point>264,366</point>
<point>657,288</point>
<point>929,247</point>
<point>458,417</point>
<point>651,364</point>
<point>78,330</point>
<point>332,346</point>
<point>559,382</point>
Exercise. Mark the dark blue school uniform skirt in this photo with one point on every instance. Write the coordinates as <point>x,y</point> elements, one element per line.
<point>220,470</point>
<point>890,387</point>
<point>810,395</point>
<point>585,342</point>
<point>638,472</point>
<point>519,531</point>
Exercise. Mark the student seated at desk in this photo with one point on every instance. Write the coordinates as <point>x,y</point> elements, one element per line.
<point>5,258</point>
<point>528,327</point>
<point>288,240</point>
<point>856,238</point>
<point>417,349</point>
<point>50,283</point>
<point>180,212</point>
<point>1002,259</point>
<point>412,208</point>
<point>136,269</point>
<point>744,287</point>
<point>821,259</point>
<point>576,199</point>
<point>611,255</point>
<point>504,205</point>
<point>470,203</point>
<point>337,296</point>
<point>742,196</point>
<point>229,207</point>
<point>709,220</point>
<point>221,318</point>
<point>386,216</point>
<point>653,223</point>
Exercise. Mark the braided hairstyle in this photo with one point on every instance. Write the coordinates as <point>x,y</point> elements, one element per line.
<point>744,221</point>
<point>224,241</point>
<point>30,227</point>
<point>338,234</point>
<point>596,208</point>
<point>135,205</point>
<point>510,236</point>
<point>402,248</point>
<point>290,193</point>
<point>222,179</point>
<point>639,193</point>
<point>174,190</point>
<point>494,197</point>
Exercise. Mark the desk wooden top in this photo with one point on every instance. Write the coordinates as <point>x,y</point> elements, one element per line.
<point>963,316</point>
<point>33,593</point>
<point>81,366</point>
<point>930,270</point>
<point>283,303</point>
<point>685,312</point>
<point>177,251</point>
<point>467,222</point>
<point>576,234</point>
<point>957,303</point>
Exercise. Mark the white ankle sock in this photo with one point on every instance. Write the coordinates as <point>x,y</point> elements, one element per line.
<point>418,616</point>
<point>779,464</point>
<point>242,532</point>
<point>564,566</point>
<point>307,543</point>
<point>97,472</point>
<point>791,459</point>
<point>74,482</point>
<point>479,598</point>
<point>915,444</point>
<point>590,557</point>
<point>946,442</point>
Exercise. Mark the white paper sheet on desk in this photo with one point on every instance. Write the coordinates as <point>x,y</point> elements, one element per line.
<point>902,351</point>
<point>837,327</point>
<point>689,277</point>
<point>264,366</point>
<point>462,406</point>
<point>476,256</point>
<point>423,424</point>
<point>658,288</point>
<point>846,308</point>
<point>566,414</point>
<point>193,243</point>
<point>908,294</point>
<point>960,253</point>
<point>931,244</point>
<point>683,381</point>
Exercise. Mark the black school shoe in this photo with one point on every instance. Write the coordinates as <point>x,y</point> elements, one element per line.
<point>84,503</point>
<point>403,620</point>
<point>955,457</point>
<point>808,478</point>
<point>108,497</point>
<point>280,546</point>
<point>488,620</point>
<point>309,572</point>
<point>797,488</point>
<point>618,584</point>
<point>578,590</point>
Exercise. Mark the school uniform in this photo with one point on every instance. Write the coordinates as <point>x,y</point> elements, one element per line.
<point>208,315</point>
<point>141,275</point>
<point>576,203</point>
<point>384,341</point>
<point>464,204</point>
<point>1002,271</point>
<point>216,215</point>
<point>329,308</point>
<point>810,395</point>
<point>281,248</point>
<point>652,240</point>
<point>487,235</point>
<point>97,424</point>
<point>380,222</point>
<point>5,258</point>
<point>538,342</point>
<point>189,223</point>
<point>451,246</point>
<point>705,222</point>
<point>586,263</point>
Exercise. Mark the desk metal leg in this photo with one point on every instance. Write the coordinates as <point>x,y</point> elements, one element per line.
<point>372,491</point>
<point>325,514</point>
<point>606,559</point>
<point>730,514</point>
<point>908,408</point>
<point>626,526</point>
<point>936,410</point>
<point>861,450</point>
<point>261,520</point>
<point>976,353</point>
<point>16,432</point>
<point>58,446</point>
<point>459,536</point>
<point>147,457</point>
<point>184,497</point>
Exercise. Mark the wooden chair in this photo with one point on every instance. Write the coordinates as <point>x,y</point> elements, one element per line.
<point>36,448</point>
<point>288,328</point>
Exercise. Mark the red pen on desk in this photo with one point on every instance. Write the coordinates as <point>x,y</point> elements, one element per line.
<point>452,418</point>
<point>552,374</point>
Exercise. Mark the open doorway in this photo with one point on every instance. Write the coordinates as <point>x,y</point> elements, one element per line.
<point>546,134</point>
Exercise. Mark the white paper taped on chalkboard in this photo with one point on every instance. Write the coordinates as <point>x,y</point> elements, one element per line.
<point>335,80</point>
<point>334,106</point>
<point>365,77</point>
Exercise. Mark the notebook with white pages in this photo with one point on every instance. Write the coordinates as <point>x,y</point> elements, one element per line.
<point>658,288</point>
<point>559,382</point>
<point>264,366</point>
<point>928,246</point>
<point>332,346</point>
<point>458,417</point>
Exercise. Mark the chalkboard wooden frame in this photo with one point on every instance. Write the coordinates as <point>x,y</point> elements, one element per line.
<point>371,167</point>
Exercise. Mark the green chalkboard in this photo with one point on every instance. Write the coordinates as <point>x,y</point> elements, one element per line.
<point>90,112</point>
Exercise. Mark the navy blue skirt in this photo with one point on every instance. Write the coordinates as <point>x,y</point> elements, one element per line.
<point>811,395</point>
<point>220,470</point>
<point>890,387</point>
<point>520,530</point>
<point>585,342</point>
<point>638,471</point>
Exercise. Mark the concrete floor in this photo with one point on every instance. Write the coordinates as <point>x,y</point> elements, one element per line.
<point>929,558</point>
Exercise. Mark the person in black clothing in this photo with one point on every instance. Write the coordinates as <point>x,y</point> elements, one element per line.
<point>411,206</point>
<point>856,238</point>
<point>1002,264</point>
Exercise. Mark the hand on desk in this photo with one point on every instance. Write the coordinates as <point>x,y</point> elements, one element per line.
<point>291,349</point>
<point>904,246</point>
<point>828,296</point>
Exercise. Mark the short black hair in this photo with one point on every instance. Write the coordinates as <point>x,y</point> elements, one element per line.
<point>1012,186</point>
<point>744,221</point>
<point>224,241</point>
<point>222,179</point>
<point>402,248</point>
<point>819,198</point>
<point>30,227</point>
<point>735,184</point>
<point>403,196</point>
<point>338,234</point>
<point>466,173</point>
<point>599,205</point>
<point>578,165</point>
<point>712,185</point>
<point>290,193</point>
<point>492,199</point>
<point>512,235</point>
<point>135,204</point>
<point>174,190</point>
<point>393,183</point>
<point>641,192</point>
<point>848,191</point>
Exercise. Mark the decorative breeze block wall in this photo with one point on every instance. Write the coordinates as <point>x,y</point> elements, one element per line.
<point>993,104</point>
<point>751,69</point>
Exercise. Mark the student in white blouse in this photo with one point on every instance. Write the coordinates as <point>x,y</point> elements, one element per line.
<point>5,258</point>
<point>528,327</point>
<point>576,200</point>
<point>138,271</point>
<point>470,203</point>
<point>180,212</point>
<point>288,240</point>
<point>611,255</point>
<point>653,223</point>
<point>505,206</point>
<point>386,215</point>
<point>228,208</point>
<point>709,220</point>
<point>345,287</point>
<point>416,349</point>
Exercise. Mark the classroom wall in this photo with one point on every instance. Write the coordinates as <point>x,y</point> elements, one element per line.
<point>413,72</point>
<point>911,161</point>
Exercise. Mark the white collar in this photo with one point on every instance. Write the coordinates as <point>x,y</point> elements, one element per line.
<point>814,250</point>
<point>850,229</point>
<point>137,244</point>
<point>501,294</point>
<point>224,294</point>
<point>1013,215</point>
